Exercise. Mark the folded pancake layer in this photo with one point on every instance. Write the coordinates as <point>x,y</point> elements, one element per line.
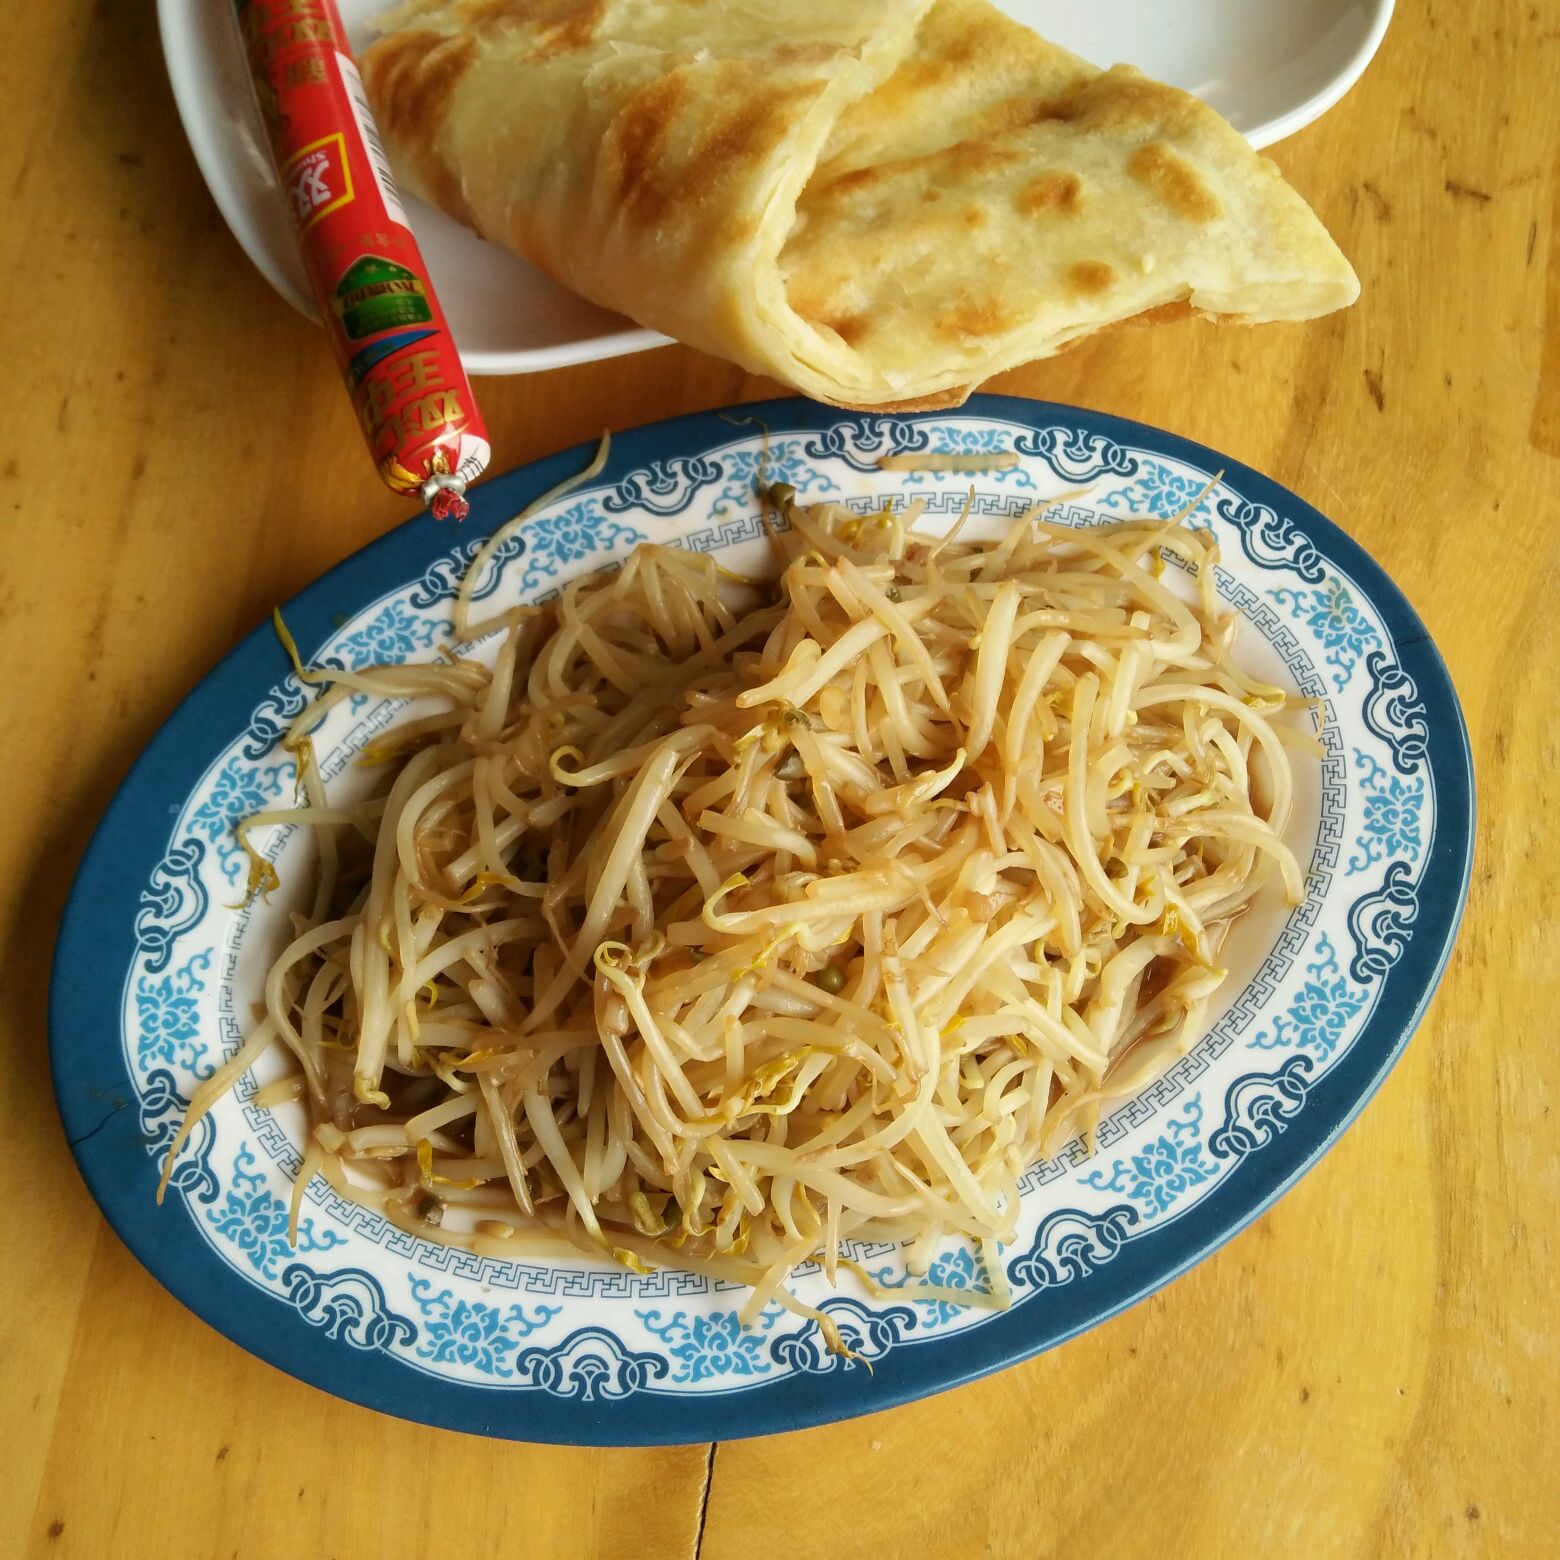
<point>880,202</point>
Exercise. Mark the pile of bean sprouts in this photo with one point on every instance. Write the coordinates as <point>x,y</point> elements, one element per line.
<point>720,923</point>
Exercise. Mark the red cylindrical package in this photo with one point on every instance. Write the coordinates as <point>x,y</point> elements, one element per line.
<point>368,277</point>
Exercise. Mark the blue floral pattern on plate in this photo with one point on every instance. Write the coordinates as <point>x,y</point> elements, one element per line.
<point>785,460</point>
<point>956,440</point>
<point>254,1219</point>
<point>581,532</point>
<point>1332,613</point>
<point>468,1332</point>
<point>1161,491</point>
<point>1164,1168</point>
<point>957,1269</point>
<point>1391,826</point>
<point>239,790</point>
<point>716,1344</point>
<point>395,633</point>
<point>1320,1012</point>
<point>168,1011</point>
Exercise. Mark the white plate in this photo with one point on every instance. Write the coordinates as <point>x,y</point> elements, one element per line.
<point>1269,68</point>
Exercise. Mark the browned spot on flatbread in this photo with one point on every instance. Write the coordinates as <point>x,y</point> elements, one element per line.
<point>973,217</point>
<point>972,317</point>
<point>972,156</point>
<point>413,75</point>
<point>1125,99</point>
<point>756,127</point>
<point>411,78</point>
<point>531,238</point>
<point>1050,191</point>
<point>635,142</point>
<point>739,228</point>
<point>657,174</point>
<point>1175,181</point>
<point>1043,111</point>
<point>803,53</point>
<point>1090,277</point>
<point>1169,313</point>
<point>856,179</point>
<point>819,302</point>
<point>938,401</point>
<point>977,156</point>
<point>913,77</point>
<point>552,27</point>
<point>964,47</point>
<point>1020,113</point>
<point>1162,313</point>
<point>850,328</point>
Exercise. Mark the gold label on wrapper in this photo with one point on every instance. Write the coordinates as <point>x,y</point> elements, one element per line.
<point>318,179</point>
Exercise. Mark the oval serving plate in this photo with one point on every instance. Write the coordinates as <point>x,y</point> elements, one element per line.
<point>157,968</point>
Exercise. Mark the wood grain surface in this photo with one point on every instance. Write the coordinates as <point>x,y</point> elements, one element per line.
<point>1372,1369</point>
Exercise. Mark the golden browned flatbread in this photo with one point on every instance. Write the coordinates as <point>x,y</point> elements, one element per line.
<point>880,202</point>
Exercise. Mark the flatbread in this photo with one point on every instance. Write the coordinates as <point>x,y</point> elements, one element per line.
<point>879,202</point>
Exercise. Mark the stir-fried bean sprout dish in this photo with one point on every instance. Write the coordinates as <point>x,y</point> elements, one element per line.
<point>719,923</point>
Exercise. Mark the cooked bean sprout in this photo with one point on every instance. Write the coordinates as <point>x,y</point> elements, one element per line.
<point>717,925</point>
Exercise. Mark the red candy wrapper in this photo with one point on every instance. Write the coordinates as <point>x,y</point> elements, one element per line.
<point>389,334</point>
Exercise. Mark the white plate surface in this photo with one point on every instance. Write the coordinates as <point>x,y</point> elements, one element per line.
<point>1269,66</point>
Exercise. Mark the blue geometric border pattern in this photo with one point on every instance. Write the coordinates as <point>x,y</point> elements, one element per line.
<point>1394,710</point>
<point>1380,923</point>
<point>348,1305</point>
<point>1270,539</point>
<point>591,1365</point>
<point>1069,1244</point>
<point>172,903</point>
<point>1259,1106</point>
<point>861,442</point>
<point>1078,454</point>
<point>155,971</point>
<point>868,1331</point>
<point>665,487</point>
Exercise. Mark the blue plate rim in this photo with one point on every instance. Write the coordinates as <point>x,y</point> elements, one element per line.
<point>93,1091</point>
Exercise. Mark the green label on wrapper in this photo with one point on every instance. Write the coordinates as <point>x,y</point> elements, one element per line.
<point>376,294</point>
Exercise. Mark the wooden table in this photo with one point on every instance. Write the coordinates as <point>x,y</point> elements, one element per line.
<point>1371,1369</point>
